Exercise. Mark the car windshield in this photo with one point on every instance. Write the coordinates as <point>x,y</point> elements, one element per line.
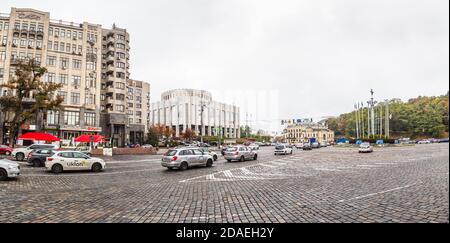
<point>234,149</point>
<point>171,153</point>
<point>279,147</point>
<point>365,145</point>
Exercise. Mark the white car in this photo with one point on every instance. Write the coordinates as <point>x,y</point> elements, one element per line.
<point>299,145</point>
<point>424,142</point>
<point>283,149</point>
<point>365,148</point>
<point>254,146</point>
<point>9,169</point>
<point>73,161</point>
<point>22,153</point>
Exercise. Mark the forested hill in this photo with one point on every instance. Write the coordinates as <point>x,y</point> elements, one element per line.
<point>416,118</point>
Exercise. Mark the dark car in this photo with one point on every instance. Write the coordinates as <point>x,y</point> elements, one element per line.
<point>37,158</point>
<point>5,150</point>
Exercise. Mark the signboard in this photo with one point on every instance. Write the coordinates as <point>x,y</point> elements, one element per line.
<point>296,121</point>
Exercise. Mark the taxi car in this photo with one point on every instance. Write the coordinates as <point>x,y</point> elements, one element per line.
<point>62,161</point>
<point>9,169</point>
<point>282,149</point>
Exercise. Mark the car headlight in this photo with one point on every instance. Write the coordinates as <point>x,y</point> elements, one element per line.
<point>13,167</point>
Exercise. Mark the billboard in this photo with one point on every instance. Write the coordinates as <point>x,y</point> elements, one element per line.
<point>296,121</point>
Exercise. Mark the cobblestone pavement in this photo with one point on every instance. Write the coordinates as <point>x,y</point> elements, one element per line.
<point>404,184</point>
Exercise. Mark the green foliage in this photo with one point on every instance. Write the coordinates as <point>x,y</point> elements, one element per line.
<point>419,117</point>
<point>152,137</point>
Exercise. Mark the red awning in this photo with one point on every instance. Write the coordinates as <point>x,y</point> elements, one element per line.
<point>36,136</point>
<point>87,139</point>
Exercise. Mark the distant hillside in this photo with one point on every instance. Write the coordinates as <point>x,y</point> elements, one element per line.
<point>419,117</point>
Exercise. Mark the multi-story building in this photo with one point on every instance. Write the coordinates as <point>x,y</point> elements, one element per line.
<point>305,132</point>
<point>89,62</point>
<point>195,109</point>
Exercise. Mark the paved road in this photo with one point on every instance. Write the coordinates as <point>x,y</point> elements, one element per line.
<point>405,184</point>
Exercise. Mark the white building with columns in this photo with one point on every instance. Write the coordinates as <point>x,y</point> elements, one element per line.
<point>195,109</point>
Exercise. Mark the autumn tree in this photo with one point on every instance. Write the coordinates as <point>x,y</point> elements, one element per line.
<point>188,134</point>
<point>26,96</point>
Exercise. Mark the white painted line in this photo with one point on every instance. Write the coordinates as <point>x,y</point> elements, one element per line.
<point>378,193</point>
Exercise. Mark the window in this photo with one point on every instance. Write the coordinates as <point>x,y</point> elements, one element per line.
<point>130,121</point>
<point>50,45</point>
<point>71,118</point>
<point>63,33</point>
<point>64,62</point>
<point>138,98</point>
<point>90,82</point>
<point>50,31</point>
<point>63,78</point>
<point>23,42</point>
<point>39,44</point>
<point>89,99</point>
<point>75,98</point>
<point>56,32</point>
<point>120,85</point>
<point>130,105</point>
<point>120,97</point>
<point>138,106</point>
<point>2,73</point>
<point>52,117</point>
<point>121,55</point>
<point>76,80</point>
<point>120,108</point>
<point>120,65</point>
<point>63,95</point>
<point>102,97</point>
<point>68,34</point>
<point>120,75</point>
<point>51,61</point>
<point>89,119</point>
<point>62,46</point>
<point>2,55</point>
<point>90,66</point>
<point>50,77</point>
<point>67,47</point>
<point>120,46</point>
<point>55,45</point>
<point>76,64</point>
<point>4,40</point>
<point>139,113</point>
<point>130,113</point>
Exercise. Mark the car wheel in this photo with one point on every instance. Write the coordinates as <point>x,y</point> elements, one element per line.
<point>8,153</point>
<point>242,159</point>
<point>255,157</point>
<point>20,157</point>
<point>209,163</point>
<point>36,163</point>
<point>3,175</point>
<point>215,158</point>
<point>229,160</point>
<point>184,166</point>
<point>170,168</point>
<point>96,168</point>
<point>57,169</point>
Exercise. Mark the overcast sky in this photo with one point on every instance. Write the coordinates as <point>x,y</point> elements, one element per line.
<point>291,59</point>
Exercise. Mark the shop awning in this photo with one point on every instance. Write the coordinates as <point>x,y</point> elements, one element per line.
<point>36,136</point>
<point>87,139</point>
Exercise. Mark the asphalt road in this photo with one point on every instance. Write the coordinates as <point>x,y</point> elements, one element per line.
<point>404,184</point>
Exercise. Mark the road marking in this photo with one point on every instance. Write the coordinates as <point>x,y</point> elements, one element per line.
<point>93,174</point>
<point>378,193</point>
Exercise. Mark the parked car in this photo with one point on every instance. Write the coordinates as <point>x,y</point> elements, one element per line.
<point>254,146</point>
<point>299,145</point>
<point>324,144</point>
<point>5,150</point>
<point>210,152</point>
<point>424,142</point>
<point>365,148</point>
<point>315,145</point>
<point>283,149</point>
<point>147,146</point>
<point>20,154</point>
<point>37,158</point>
<point>84,150</point>
<point>443,140</point>
<point>307,146</point>
<point>184,158</point>
<point>62,161</point>
<point>240,153</point>
<point>9,169</point>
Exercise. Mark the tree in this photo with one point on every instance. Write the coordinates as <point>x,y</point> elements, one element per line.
<point>27,96</point>
<point>152,136</point>
<point>188,134</point>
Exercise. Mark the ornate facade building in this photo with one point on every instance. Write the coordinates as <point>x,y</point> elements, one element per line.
<point>91,63</point>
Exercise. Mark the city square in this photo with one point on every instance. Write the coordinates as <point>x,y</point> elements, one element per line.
<point>401,184</point>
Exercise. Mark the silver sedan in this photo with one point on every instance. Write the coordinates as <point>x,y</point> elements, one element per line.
<point>240,153</point>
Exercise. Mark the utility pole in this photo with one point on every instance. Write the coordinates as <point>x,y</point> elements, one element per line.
<point>388,119</point>
<point>361,114</point>
<point>357,121</point>
<point>381,120</point>
<point>368,120</point>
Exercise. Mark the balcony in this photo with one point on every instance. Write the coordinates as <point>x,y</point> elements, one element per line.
<point>16,30</point>
<point>32,32</point>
